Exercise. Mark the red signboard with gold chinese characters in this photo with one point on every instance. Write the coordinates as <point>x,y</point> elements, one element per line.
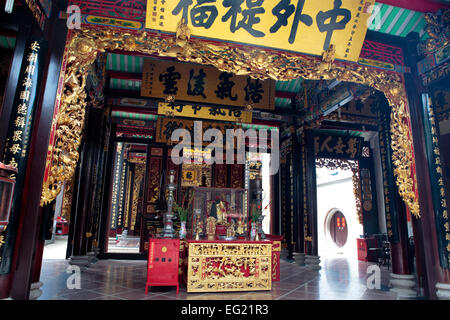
<point>162,265</point>
<point>276,250</point>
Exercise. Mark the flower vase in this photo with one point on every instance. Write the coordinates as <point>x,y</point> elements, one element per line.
<point>253,231</point>
<point>260,229</point>
<point>183,230</point>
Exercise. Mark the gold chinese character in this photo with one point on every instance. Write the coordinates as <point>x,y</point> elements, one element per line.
<point>20,122</point>
<point>15,148</point>
<point>442,192</point>
<point>13,163</point>
<point>445,214</point>
<point>448,247</point>
<point>444,203</point>
<point>25,95</point>
<point>447,236</point>
<point>437,151</point>
<point>439,170</point>
<point>30,69</point>
<point>17,135</point>
<point>339,146</point>
<point>27,82</point>
<point>447,227</point>
<point>325,145</point>
<point>22,109</point>
<point>389,233</point>
<point>441,182</point>
<point>32,57</point>
<point>2,240</point>
<point>35,46</point>
<point>351,147</point>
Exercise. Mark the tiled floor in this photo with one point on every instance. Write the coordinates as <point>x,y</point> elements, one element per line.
<point>339,279</point>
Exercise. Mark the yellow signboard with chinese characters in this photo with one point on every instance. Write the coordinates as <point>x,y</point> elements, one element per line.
<point>202,112</point>
<point>306,26</point>
<point>166,126</point>
<point>205,84</point>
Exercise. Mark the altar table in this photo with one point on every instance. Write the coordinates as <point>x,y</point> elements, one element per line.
<point>220,265</point>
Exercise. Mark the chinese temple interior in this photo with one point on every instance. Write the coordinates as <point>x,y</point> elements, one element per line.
<point>335,167</point>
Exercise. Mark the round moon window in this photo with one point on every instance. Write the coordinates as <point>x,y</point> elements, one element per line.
<point>338,229</point>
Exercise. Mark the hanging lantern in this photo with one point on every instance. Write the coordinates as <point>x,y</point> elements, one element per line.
<point>9,6</point>
<point>6,193</point>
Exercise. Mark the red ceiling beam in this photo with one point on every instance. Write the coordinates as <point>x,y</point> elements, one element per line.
<point>284,94</point>
<point>124,75</point>
<point>416,5</point>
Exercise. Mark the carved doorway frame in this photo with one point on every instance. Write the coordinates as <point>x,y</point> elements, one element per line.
<point>83,46</point>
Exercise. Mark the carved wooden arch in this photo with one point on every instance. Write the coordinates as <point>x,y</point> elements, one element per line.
<point>84,45</point>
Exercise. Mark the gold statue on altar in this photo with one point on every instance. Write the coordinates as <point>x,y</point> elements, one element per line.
<point>198,229</point>
<point>231,232</point>
<point>211,228</point>
<point>240,228</point>
<point>221,212</point>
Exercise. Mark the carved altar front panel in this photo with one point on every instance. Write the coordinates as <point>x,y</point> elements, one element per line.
<point>234,266</point>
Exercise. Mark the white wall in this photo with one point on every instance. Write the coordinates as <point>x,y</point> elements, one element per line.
<point>336,191</point>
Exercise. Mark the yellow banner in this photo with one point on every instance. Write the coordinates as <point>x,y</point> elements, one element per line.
<point>202,112</point>
<point>205,84</point>
<point>306,26</point>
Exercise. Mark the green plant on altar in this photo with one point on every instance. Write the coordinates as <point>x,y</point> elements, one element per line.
<point>182,212</point>
<point>255,212</point>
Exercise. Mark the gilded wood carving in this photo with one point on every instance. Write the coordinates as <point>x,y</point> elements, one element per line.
<point>87,43</point>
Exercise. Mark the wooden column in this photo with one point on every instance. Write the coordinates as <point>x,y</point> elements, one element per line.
<point>85,186</point>
<point>7,110</point>
<point>13,83</point>
<point>394,207</point>
<point>95,121</point>
<point>107,186</point>
<point>298,195</point>
<point>311,243</point>
<point>426,225</point>
<point>30,211</point>
<point>101,164</point>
